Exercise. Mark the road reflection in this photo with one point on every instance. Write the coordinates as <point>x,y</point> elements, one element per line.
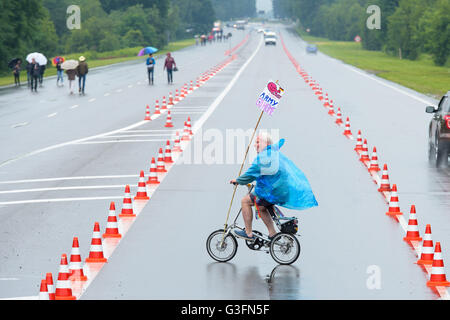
<point>227,281</point>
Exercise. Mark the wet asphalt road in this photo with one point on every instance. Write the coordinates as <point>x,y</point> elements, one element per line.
<point>162,255</point>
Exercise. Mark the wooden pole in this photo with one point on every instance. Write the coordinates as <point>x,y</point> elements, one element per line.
<point>240,172</point>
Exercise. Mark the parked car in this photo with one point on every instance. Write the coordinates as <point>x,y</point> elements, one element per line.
<point>270,38</point>
<point>439,132</point>
<point>311,48</point>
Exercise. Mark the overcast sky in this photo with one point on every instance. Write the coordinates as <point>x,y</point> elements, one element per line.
<point>265,5</point>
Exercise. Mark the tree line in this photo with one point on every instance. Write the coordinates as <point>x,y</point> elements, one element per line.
<point>106,25</point>
<point>407,29</point>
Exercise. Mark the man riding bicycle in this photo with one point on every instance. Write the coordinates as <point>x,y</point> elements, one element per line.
<point>278,182</point>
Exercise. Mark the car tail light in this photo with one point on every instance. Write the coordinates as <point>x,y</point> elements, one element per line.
<point>447,121</point>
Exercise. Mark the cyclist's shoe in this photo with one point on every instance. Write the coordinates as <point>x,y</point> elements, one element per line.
<point>242,234</point>
<point>271,238</point>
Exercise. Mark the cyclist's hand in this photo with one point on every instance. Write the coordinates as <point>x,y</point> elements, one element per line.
<point>233,182</point>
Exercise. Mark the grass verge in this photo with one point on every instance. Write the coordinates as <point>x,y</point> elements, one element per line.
<point>96,59</point>
<point>420,75</point>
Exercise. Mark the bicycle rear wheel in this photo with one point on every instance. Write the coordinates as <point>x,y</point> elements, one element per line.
<point>221,251</point>
<point>285,248</point>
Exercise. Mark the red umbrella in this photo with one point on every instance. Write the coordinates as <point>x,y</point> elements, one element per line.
<point>58,59</point>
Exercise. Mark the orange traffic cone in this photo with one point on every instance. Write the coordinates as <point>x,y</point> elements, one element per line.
<point>339,117</point>
<point>75,267</point>
<point>147,113</point>
<point>168,153</point>
<point>359,142</point>
<point>347,131</point>
<point>186,135</point>
<point>394,208</point>
<point>164,103</point>
<point>326,104</point>
<point>168,121</point>
<point>142,189</point>
<point>51,289</point>
<point>63,286</point>
<point>176,144</point>
<point>426,256</point>
<point>437,277</point>
<point>385,185</point>
<point>374,161</point>
<point>127,208</point>
<point>188,124</point>
<point>43,291</point>
<point>112,227</point>
<point>96,251</point>
<point>153,176</point>
<point>364,152</point>
<point>412,233</point>
<point>157,107</point>
<point>170,99</point>
<point>331,108</point>
<point>160,164</point>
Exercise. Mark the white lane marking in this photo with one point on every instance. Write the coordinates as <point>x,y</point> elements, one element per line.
<point>122,141</point>
<point>60,200</point>
<point>52,115</point>
<point>140,135</point>
<point>187,112</point>
<point>66,188</point>
<point>19,125</point>
<point>22,298</point>
<point>389,86</point>
<point>69,178</point>
<point>155,130</point>
<point>56,146</point>
<point>106,94</point>
<point>119,90</point>
<point>9,279</point>
<point>199,123</point>
<point>74,106</point>
<point>92,100</point>
<point>130,86</point>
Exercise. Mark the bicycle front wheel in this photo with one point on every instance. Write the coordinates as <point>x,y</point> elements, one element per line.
<point>219,250</point>
<point>284,248</point>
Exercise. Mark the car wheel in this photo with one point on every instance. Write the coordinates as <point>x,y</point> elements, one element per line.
<point>442,154</point>
<point>431,153</point>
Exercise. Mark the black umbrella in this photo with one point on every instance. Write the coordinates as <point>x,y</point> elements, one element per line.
<point>13,62</point>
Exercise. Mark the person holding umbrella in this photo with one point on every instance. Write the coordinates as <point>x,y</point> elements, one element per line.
<point>82,71</point>
<point>16,72</point>
<point>71,70</point>
<point>35,71</point>
<point>150,67</point>
<point>57,61</point>
<point>170,65</point>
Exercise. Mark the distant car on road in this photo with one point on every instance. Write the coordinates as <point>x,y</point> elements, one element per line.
<point>439,132</point>
<point>311,48</point>
<point>270,38</point>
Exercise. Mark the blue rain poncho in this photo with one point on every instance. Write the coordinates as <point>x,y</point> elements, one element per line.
<point>278,180</point>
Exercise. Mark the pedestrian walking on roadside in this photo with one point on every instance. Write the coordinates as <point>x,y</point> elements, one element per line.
<point>35,71</point>
<point>60,73</point>
<point>16,72</point>
<point>71,74</point>
<point>82,71</point>
<point>150,67</point>
<point>41,74</point>
<point>170,65</point>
